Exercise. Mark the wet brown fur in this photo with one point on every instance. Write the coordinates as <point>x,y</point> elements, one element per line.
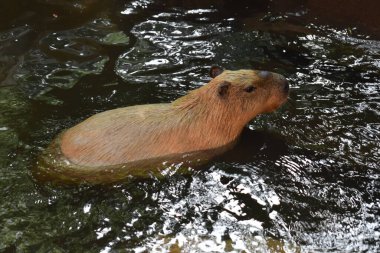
<point>202,120</point>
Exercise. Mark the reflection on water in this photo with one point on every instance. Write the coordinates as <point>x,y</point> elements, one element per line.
<point>306,181</point>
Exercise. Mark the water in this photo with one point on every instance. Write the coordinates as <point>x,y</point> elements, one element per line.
<point>303,179</point>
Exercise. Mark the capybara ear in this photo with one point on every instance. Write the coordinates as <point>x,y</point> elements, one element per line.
<point>223,88</point>
<point>215,71</point>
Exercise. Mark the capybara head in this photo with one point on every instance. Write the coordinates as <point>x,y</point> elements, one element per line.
<point>248,92</point>
<point>236,97</point>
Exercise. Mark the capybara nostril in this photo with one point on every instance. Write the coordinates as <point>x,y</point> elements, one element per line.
<point>286,86</point>
<point>263,74</point>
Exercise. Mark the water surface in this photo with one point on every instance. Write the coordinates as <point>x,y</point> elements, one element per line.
<point>303,179</point>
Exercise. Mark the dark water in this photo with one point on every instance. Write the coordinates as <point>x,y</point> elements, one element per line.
<point>303,179</point>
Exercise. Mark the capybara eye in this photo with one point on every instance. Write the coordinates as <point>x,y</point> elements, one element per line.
<point>249,89</point>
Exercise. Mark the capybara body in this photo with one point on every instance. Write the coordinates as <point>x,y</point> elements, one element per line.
<point>207,118</point>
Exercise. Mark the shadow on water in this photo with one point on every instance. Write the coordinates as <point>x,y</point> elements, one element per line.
<point>256,144</point>
<point>306,179</point>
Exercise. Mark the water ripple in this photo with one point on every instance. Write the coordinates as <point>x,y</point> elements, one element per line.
<point>166,50</point>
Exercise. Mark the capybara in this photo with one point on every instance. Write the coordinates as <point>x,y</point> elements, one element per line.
<point>206,119</point>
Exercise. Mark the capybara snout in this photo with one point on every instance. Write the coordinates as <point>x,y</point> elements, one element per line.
<point>283,83</point>
<point>277,87</point>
